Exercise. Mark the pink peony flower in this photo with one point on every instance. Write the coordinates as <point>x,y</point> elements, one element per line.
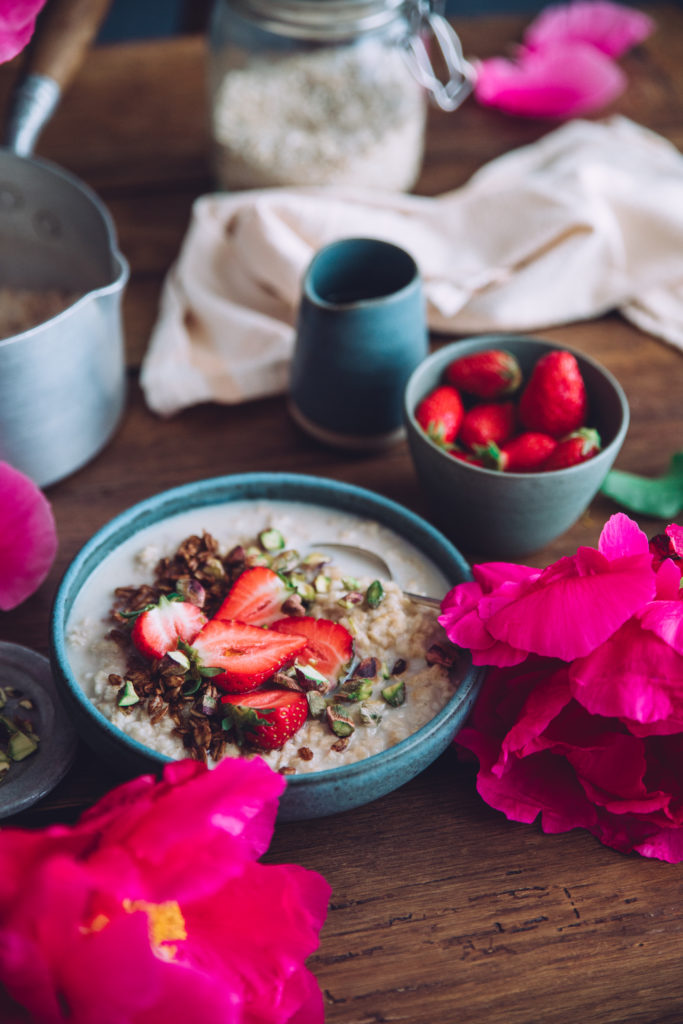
<point>562,80</point>
<point>17,22</point>
<point>565,67</point>
<point>580,721</point>
<point>28,537</point>
<point>154,907</point>
<point>611,28</point>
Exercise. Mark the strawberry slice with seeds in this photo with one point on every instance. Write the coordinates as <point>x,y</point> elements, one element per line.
<point>158,629</point>
<point>265,719</point>
<point>244,655</point>
<point>256,596</point>
<point>329,646</point>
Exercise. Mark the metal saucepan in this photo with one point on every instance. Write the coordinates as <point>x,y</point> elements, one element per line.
<point>62,382</point>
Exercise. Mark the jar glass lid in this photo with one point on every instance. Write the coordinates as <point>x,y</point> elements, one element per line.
<point>322,19</point>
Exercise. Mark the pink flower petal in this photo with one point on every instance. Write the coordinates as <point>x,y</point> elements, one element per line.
<point>28,537</point>
<point>17,22</point>
<point>611,28</point>
<point>561,81</point>
<point>621,536</point>
<point>665,620</point>
<point>575,604</point>
<point>633,675</point>
<point>675,534</point>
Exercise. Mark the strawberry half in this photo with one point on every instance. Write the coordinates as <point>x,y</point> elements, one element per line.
<point>328,645</point>
<point>256,596</point>
<point>245,655</point>
<point>268,718</point>
<point>158,629</point>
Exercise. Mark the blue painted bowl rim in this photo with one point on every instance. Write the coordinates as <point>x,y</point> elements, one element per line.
<point>442,356</point>
<point>215,490</point>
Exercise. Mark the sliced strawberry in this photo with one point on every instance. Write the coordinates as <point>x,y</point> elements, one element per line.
<point>267,718</point>
<point>158,629</point>
<point>247,654</point>
<point>329,646</point>
<point>256,596</point>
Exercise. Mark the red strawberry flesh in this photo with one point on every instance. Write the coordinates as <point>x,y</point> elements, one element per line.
<point>329,645</point>
<point>247,654</point>
<point>268,718</point>
<point>256,596</point>
<point>554,401</point>
<point>440,414</point>
<point>158,630</point>
<point>489,374</point>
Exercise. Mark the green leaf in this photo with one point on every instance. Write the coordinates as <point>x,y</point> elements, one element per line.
<point>660,496</point>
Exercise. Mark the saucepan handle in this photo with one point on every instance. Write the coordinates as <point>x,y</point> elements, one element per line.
<point>64,32</point>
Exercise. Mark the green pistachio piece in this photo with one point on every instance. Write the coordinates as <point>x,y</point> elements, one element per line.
<point>317,704</point>
<point>395,693</point>
<point>21,745</point>
<point>351,600</point>
<point>322,583</point>
<point>370,713</point>
<point>285,560</point>
<point>305,591</point>
<point>127,695</point>
<point>311,679</point>
<point>374,595</point>
<point>350,583</point>
<point>355,689</point>
<point>271,540</point>
<point>338,721</point>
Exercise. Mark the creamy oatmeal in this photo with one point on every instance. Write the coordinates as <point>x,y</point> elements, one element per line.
<point>401,656</point>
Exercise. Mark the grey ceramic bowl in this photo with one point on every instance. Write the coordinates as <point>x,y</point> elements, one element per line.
<point>307,796</point>
<point>507,515</point>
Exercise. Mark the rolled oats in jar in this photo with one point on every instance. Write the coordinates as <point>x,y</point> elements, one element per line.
<point>326,92</point>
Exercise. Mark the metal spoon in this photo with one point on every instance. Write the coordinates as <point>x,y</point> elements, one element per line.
<point>373,559</point>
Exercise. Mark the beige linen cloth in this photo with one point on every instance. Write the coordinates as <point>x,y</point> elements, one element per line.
<point>586,220</point>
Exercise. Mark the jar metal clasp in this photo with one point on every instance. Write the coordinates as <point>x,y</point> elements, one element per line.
<point>460,73</point>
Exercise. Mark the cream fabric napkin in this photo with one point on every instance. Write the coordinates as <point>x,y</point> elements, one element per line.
<point>586,220</point>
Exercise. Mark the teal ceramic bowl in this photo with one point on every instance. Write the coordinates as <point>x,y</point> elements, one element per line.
<point>308,795</point>
<point>490,514</point>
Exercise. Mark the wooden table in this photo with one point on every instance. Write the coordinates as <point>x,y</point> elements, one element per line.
<point>442,911</point>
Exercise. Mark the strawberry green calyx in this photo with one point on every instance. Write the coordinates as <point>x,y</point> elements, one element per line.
<point>590,438</point>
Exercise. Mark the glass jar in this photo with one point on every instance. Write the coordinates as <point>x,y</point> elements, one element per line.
<point>326,92</point>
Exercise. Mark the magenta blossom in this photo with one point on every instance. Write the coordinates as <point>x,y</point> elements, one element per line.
<point>28,538</point>
<point>580,721</point>
<point>565,67</point>
<point>154,907</point>
<point>17,22</point>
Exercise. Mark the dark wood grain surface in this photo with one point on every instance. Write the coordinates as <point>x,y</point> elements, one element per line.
<point>442,911</point>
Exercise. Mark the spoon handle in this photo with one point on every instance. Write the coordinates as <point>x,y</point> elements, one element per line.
<point>431,602</point>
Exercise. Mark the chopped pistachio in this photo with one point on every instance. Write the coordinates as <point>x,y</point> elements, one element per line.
<point>285,560</point>
<point>287,682</point>
<point>293,605</point>
<point>350,583</point>
<point>3,697</point>
<point>355,689</point>
<point>315,558</point>
<point>127,695</point>
<point>338,721</point>
<point>191,591</point>
<point>271,540</point>
<point>180,658</point>
<point>371,713</point>
<point>305,591</point>
<point>374,595</point>
<point>341,744</point>
<point>21,745</point>
<point>4,766</point>
<point>367,668</point>
<point>311,679</point>
<point>322,583</point>
<point>255,556</point>
<point>395,693</point>
<point>214,567</point>
<point>438,655</point>
<point>26,703</point>
<point>351,600</point>
<point>316,704</point>
<point>400,665</point>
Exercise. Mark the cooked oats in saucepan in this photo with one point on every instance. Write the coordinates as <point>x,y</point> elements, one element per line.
<point>23,308</point>
<point>224,632</point>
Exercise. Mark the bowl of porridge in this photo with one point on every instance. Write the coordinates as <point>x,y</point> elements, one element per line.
<point>241,616</point>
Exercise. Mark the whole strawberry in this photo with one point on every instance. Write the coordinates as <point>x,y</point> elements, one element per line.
<point>554,400</point>
<point>575,448</point>
<point>489,374</point>
<point>490,421</point>
<point>440,414</point>
<point>525,453</point>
